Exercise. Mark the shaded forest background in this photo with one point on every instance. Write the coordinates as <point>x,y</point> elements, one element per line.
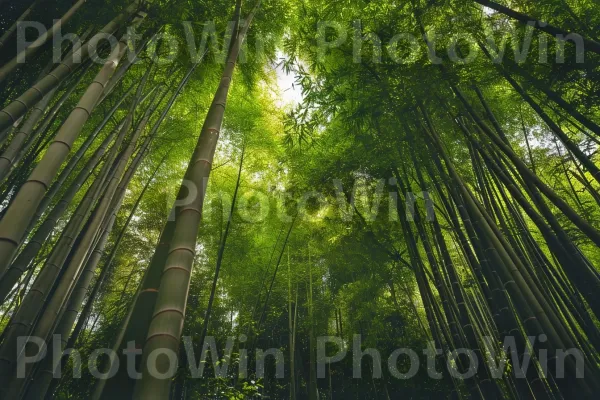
<point>306,227</point>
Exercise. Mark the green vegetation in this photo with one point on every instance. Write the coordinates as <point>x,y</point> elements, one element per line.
<point>312,177</point>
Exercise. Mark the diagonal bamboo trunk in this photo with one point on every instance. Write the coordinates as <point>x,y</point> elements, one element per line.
<point>119,73</point>
<point>25,135</point>
<point>53,312</point>
<point>18,216</point>
<point>66,172</point>
<point>24,259</point>
<point>291,324</point>
<point>558,132</point>
<point>167,322</point>
<point>27,53</point>
<point>44,375</point>
<point>555,97</point>
<point>106,270</point>
<point>50,117</point>
<point>17,108</point>
<point>33,302</point>
<point>589,44</point>
<point>136,323</point>
<point>43,73</point>
<point>526,295</point>
<point>10,31</point>
<point>7,158</point>
<point>586,228</point>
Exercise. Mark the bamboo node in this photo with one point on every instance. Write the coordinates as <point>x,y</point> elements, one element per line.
<point>55,77</point>
<point>84,109</point>
<point>100,83</point>
<point>44,184</point>
<point>63,142</point>
<point>66,65</point>
<point>190,209</point>
<point>7,239</point>
<point>38,90</point>
<point>204,160</point>
<point>162,334</point>
<point>170,268</point>
<point>165,310</point>
<point>9,115</point>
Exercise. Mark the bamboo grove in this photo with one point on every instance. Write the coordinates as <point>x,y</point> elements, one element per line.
<point>225,177</point>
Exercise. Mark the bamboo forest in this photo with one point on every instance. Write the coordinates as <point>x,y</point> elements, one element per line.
<point>299,199</point>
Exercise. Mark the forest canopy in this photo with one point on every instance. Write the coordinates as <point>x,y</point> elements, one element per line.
<point>299,199</point>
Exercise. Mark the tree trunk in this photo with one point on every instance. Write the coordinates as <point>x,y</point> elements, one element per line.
<point>313,390</point>
<point>32,304</point>
<point>28,52</point>
<point>135,326</point>
<point>167,322</point>
<point>18,216</point>
<point>586,228</point>
<point>73,161</point>
<point>10,31</point>
<point>43,378</point>
<point>29,252</point>
<point>53,311</point>
<point>291,326</point>
<point>27,100</point>
<point>589,44</point>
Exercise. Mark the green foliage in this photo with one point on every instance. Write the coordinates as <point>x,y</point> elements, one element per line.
<point>358,124</point>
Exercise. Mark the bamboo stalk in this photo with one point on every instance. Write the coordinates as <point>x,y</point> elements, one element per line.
<point>18,216</point>
<point>165,329</point>
<point>28,52</point>
<point>17,108</point>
